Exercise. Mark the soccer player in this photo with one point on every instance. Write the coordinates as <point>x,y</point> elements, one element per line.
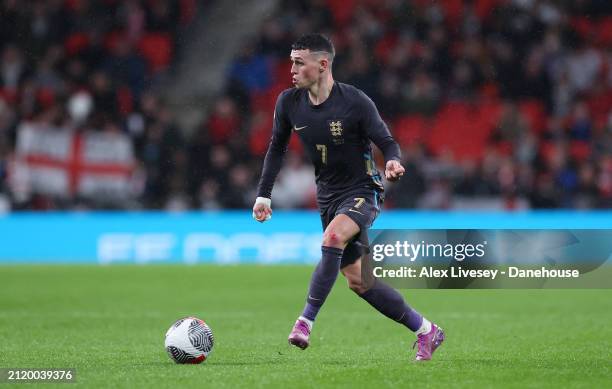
<point>336,123</point>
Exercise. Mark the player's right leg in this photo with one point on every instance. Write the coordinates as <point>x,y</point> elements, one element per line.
<point>335,238</point>
<point>390,303</point>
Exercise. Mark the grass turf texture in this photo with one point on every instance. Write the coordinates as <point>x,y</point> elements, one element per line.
<point>109,324</point>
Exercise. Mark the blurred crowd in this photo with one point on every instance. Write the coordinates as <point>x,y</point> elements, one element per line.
<point>507,102</point>
<point>92,66</point>
<point>502,100</point>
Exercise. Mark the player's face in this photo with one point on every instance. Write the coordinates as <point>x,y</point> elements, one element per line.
<point>306,68</point>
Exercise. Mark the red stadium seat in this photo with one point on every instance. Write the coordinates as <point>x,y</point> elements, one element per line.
<point>75,43</point>
<point>458,129</point>
<point>489,113</point>
<point>385,46</point>
<point>461,145</point>
<point>262,101</point>
<point>259,136</point>
<point>534,113</point>
<point>125,100</point>
<point>157,49</point>
<point>8,95</point>
<point>583,26</point>
<point>453,10</point>
<point>455,110</point>
<point>342,10</point>
<point>504,148</point>
<point>266,100</point>
<point>281,72</point>
<point>188,11</point>
<point>410,129</point>
<point>600,105</point>
<point>489,91</point>
<point>484,8</point>
<point>45,97</point>
<point>580,151</point>
<point>112,38</point>
<point>72,4</point>
<point>604,32</point>
<point>548,150</point>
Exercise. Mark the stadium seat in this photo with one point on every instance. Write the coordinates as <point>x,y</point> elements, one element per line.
<point>281,72</point>
<point>458,129</point>
<point>504,148</point>
<point>484,8</point>
<point>72,4</point>
<point>489,91</point>
<point>453,9</point>
<point>583,25</point>
<point>548,150</point>
<point>385,46</point>
<point>342,10</point>
<point>454,110</point>
<point>604,32</point>
<point>157,49</point>
<point>259,135</point>
<point>579,150</point>
<point>409,129</point>
<point>489,113</point>
<point>188,10</point>
<point>266,100</point>
<point>112,38</point>
<point>45,97</point>
<point>534,112</point>
<point>221,129</point>
<point>125,100</point>
<point>8,95</point>
<point>75,43</point>
<point>599,106</point>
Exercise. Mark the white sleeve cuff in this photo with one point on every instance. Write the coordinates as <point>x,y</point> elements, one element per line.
<point>264,200</point>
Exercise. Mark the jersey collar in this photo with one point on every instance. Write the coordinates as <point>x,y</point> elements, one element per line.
<point>326,102</point>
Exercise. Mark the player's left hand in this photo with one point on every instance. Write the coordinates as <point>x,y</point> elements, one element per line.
<point>394,170</point>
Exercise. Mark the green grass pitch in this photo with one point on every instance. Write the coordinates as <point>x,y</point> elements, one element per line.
<point>109,322</point>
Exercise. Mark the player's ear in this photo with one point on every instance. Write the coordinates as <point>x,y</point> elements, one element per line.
<point>323,64</point>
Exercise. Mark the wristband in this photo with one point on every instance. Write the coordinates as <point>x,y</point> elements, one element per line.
<point>267,202</point>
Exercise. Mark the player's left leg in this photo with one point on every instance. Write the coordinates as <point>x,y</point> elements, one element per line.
<point>390,303</point>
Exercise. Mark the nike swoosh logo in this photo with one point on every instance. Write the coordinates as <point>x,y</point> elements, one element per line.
<point>352,210</point>
<point>299,128</point>
<point>310,297</point>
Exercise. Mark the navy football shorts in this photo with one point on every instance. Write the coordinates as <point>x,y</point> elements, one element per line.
<point>362,206</point>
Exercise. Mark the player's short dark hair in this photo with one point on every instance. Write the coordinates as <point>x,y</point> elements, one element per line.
<point>315,42</point>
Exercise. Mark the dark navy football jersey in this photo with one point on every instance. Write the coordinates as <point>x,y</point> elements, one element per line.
<point>336,135</point>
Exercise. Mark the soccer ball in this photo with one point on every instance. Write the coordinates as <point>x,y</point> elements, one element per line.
<point>189,340</point>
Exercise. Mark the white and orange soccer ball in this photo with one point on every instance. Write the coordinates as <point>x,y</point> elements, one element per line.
<point>189,340</point>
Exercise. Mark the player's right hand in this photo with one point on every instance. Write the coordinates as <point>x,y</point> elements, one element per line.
<point>262,209</point>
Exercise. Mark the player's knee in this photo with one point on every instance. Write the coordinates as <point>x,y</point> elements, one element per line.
<point>332,239</point>
<point>356,285</point>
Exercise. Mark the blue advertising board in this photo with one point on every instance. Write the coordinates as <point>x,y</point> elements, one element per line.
<point>226,237</point>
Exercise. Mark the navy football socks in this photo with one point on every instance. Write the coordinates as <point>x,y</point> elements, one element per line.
<point>381,296</point>
<point>322,280</point>
<point>390,303</point>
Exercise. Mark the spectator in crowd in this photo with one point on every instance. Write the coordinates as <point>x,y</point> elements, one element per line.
<point>507,100</point>
<point>523,81</point>
<point>81,66</point>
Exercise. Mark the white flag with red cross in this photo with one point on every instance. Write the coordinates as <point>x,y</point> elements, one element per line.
<point>64,163</point>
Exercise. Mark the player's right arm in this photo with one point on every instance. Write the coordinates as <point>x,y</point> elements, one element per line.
<point>281,132</point>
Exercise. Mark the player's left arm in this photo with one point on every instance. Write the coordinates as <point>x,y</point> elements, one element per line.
<point>379,133</point>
